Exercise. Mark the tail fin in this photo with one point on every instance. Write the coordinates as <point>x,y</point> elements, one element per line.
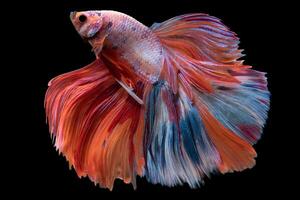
<point>96,124</point>
<point>177,150</point>
<point>221,107</point>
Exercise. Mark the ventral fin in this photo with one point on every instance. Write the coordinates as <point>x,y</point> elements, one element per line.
<point>130,91</point>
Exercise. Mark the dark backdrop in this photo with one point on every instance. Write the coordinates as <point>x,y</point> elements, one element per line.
<point>53,47</point>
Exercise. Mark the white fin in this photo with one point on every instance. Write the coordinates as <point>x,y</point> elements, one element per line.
<point>129,90</point>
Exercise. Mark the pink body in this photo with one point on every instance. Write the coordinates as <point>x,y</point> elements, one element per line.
<point>133,41</point>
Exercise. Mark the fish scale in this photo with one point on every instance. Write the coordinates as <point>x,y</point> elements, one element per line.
<point>137,44</point>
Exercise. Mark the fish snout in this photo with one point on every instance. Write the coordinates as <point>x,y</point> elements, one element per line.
<point>72,15</point>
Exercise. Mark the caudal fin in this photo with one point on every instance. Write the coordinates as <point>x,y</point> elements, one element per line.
<point>217,107</point>
<point>177,148</point>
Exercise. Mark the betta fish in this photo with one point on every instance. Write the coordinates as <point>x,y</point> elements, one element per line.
<point>172,102</point>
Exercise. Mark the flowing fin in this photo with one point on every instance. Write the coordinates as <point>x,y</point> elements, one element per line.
<point>201,48</point>
<point>96,124</point>
<point>201,37</point>
<point>176,148</point>
<point>229,100</point>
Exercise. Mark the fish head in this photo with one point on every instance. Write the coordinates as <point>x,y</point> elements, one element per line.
<point>91,27</point>
<point>87,23</point>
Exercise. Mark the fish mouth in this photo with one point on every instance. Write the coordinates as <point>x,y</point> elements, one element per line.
<point>72,15</point>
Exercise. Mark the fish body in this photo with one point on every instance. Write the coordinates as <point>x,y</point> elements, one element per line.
<point>130,40</point>
<point>171,102</point>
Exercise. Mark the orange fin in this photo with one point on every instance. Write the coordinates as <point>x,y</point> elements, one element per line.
<point>236,154</point>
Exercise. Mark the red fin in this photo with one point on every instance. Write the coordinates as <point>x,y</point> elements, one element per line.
<point>201,37</point>
<point>94,119</point>
<point>200,48</point>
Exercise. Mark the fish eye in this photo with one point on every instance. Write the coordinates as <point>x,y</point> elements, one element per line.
<point>82,18</point>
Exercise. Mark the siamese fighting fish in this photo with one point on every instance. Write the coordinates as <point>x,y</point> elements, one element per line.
<point>172,103</point>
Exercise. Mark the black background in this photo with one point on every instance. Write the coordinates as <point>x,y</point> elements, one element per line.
<point>52,47</point>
